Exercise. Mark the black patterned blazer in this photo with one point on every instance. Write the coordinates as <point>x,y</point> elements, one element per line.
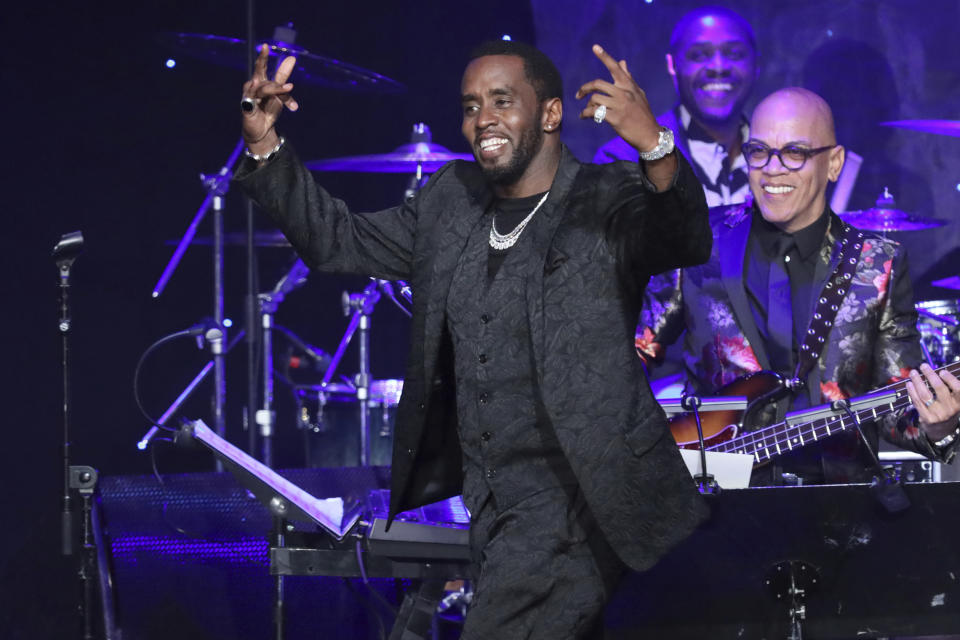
<point>599,236</point>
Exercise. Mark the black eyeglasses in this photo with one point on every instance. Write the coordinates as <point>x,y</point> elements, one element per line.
<point>792,156</point>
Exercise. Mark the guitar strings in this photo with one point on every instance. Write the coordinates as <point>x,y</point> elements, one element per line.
<point>758,438</point>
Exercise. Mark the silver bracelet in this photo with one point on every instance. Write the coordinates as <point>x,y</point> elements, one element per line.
<point>266,156</point>
<point>947,439</point>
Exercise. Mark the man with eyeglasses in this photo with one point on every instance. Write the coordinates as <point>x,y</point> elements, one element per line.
<point>790,288</point>
<point>713,62</point>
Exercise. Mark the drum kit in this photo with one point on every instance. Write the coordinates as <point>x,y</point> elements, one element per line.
<point>346,420</point>
<point>939,320</point>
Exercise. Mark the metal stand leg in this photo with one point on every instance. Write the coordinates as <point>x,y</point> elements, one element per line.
<point>266,415</point>
<point>219,363</point>
<point>363,390</point>
<point>279,613</point>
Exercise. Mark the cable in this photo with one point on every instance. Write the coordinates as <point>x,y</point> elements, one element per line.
<point>136,373</point>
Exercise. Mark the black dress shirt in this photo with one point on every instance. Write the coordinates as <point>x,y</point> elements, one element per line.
<point>801,268</point>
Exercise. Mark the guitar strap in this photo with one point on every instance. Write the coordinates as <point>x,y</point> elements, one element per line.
<point>828,304</point>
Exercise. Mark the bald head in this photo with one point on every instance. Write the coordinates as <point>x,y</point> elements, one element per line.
<point>798,124</point>
<point>800,105</point>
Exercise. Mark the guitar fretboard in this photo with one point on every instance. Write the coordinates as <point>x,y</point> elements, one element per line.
<point>770,442</point>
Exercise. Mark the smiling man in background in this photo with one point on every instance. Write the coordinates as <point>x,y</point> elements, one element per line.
<point>791,288</point>
<point>713,62</point>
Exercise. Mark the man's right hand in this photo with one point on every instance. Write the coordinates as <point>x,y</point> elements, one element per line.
<point>270,97</point>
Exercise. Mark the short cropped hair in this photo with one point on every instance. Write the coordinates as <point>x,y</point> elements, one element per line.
<point>688,19</point>
<point>539,69</point>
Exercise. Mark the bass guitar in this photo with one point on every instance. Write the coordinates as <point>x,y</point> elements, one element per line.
<point>723,431</point>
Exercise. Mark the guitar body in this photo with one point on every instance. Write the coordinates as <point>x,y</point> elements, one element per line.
<point>760,389</point>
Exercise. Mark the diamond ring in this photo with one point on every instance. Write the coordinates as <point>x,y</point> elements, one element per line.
<point>600,114</point>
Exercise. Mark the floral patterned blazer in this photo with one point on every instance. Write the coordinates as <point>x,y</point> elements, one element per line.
<point>873,342</point>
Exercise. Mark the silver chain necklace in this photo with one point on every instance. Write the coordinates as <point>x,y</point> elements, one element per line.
<point>502,241</point>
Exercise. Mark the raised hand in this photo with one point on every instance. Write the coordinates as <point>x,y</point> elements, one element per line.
<point>269,98</point>
<point>627,109</point>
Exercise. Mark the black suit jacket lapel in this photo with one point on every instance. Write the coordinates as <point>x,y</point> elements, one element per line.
<point>543,231</point>
<point>450,238</point>
<point>732,250</point>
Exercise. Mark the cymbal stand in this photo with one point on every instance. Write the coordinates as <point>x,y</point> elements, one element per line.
<point>361,304</point>
<point>217,186</point>
<point>268,304</point>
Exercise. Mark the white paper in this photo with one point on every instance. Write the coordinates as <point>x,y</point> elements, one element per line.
<point>730,470</point>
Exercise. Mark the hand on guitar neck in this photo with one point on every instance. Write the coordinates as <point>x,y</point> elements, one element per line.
<point>936,396</point>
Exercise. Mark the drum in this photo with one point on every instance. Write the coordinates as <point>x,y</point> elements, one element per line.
<point>939,326</point>
<point>330,418</point>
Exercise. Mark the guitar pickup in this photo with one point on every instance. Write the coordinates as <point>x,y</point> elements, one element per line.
<point>812,414</point>
<point>673,406</point>
<point>873,400</point>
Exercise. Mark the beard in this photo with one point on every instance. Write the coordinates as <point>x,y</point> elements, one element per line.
<point>530,142</point>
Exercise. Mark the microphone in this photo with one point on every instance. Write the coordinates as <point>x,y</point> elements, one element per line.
<point>207,329</point>
<point>294,278</point>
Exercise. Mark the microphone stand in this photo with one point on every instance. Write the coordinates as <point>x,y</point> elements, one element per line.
<point>217,186</point>
<point>65,252</point>
<point>186,393</point>
<point>886,487</point>
<point>362,305</point>
<point>75,478</point>
<point>265,417</point>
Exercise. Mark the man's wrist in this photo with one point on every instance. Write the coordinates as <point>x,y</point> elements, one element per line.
<point>261,153</point>
<point>263,145</point>
<point>948,439</point>
<point>663,147</point>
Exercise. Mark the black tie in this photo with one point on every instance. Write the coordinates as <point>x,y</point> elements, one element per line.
<point>779,312</point>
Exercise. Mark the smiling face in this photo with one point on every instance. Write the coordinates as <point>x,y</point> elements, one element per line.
<point>789,199</point>
<point>503,121</point>
<point>714,65</point>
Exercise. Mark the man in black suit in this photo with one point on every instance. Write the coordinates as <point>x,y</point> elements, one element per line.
<point>523,390</point>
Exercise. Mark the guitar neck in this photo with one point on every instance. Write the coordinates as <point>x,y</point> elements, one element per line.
<point>770,442</point>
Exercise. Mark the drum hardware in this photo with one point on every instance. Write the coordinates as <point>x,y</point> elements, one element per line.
<point>265,417</point>
<point>953,282</point>
<point>269,239</point>
<point>936,127</point>
<point>420,156</point>
<point>886,217</point>
<point>939,328</point>
<point>312,68</point>
<point>216,186</point>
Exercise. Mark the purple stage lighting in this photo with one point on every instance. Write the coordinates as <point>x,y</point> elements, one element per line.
<point>506,36</point>
<point>170,63</point>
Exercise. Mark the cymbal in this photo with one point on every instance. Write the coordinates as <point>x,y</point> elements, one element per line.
<point>886,217</point>
<point>239,239</point>
<point>878,219</point>
<point>311,68</point>
<point>420,154</point>
<point>937,127</point>
<point>404,159</point>
<point>953,282</point>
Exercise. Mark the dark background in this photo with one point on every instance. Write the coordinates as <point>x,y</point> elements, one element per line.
<point>100,136</point>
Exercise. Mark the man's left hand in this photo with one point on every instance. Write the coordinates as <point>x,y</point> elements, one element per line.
<point>628,111</point>
<point>936,397</point>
